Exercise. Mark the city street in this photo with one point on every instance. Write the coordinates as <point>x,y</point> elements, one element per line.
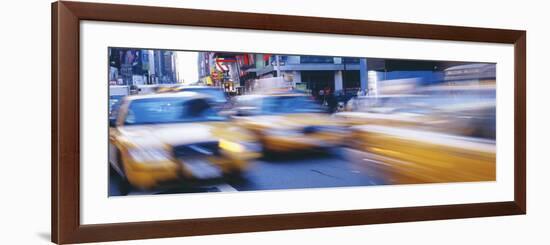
<point>207,121</point>
<point>344,167</point>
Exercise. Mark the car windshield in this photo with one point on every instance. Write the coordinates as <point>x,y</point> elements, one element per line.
<point>217,94</point>
<point>289,104</point>
<point>170,110</point>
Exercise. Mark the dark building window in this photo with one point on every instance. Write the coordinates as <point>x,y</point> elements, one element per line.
<point>351,79</point>
<point>318,80</point>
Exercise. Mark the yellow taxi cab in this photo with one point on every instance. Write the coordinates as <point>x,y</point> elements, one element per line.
<point>161,138</point>
<point>380,109</point>
<point>410,155</point>
<point>464,115</point>
<point>426,138</point>
<point>288,122</point>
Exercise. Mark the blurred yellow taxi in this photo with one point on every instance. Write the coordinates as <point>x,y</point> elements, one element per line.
<point>445,135</point>
<point>288,122</point>
<point>160,138</point>
<point>419,156</point>
<point>472,115</point>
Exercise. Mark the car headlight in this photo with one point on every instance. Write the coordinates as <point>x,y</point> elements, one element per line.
<point>149,154</point>
<point>238,147</point>
<point>231,146</point>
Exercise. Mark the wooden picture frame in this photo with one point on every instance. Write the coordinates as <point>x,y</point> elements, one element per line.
<point>65,99</point>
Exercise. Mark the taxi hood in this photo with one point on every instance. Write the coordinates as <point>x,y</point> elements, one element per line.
<point>170,134</point>
<point>289,121</point>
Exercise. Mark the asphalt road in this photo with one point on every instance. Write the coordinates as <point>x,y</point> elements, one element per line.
<point>340,168</point>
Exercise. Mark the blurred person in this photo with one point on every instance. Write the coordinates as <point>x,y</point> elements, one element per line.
<point>321,96</point>
<point>332,102</point>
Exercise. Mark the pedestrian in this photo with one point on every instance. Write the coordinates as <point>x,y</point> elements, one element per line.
<point>331,102</point>
<point>321,97</point>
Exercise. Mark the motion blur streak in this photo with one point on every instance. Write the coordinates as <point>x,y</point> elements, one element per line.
<point>265,121</point>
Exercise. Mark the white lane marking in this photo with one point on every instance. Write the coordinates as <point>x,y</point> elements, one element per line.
<point>226,188</point>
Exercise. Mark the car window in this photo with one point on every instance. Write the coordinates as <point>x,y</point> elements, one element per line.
<point>169,110</point>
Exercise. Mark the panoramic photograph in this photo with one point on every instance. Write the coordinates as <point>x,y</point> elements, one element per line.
<point>209,121</point>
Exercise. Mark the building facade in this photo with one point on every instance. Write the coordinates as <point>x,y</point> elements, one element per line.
<point>223,69</point>
<point>141,66</point>
<point>312,73</point>
<point>245,73</point>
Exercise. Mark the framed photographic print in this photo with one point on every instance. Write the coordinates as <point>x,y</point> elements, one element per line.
<point>177,122</point>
